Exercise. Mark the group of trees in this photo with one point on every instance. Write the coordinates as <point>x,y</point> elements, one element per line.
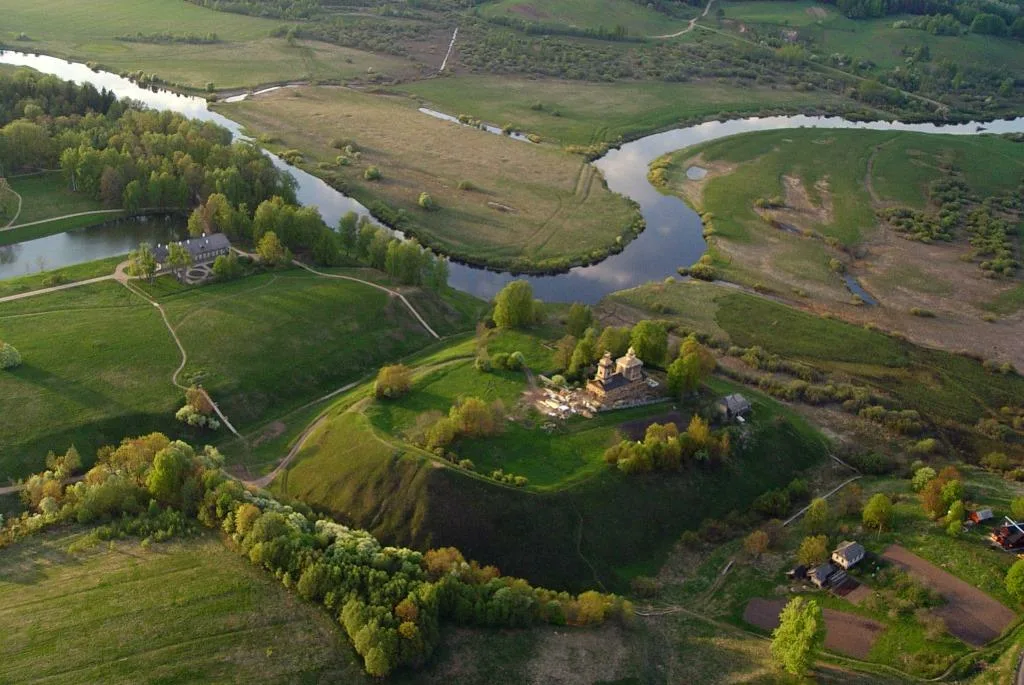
<point>390,601</point>
<point>470,417</point>
<point>404,260</point>
<point>514,306</point>
<point>938,491</point>
<point>664,448</point>
<point>198,410</point>
<point>392,381</point>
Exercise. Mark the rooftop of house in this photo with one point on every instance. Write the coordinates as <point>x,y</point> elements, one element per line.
<point>848,549</point>
<point>822,572</point>
<point>196,246</point>
<point>736,403</point>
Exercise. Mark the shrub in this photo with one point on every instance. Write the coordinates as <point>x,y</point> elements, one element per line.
<point>9,356</point>
<point>426,202</point>
<point>392,381</point>
<point>372,173</point>
<point>923,313</point>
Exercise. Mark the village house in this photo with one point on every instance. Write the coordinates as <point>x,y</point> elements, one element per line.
<point>980,515</point>
<point>821,574</point>
<point>203,250</point>
<point>1009,536</point>
<point>847,554</point>
<point>734,408</point>
<point>620,382</point>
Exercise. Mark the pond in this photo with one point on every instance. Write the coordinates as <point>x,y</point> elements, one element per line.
<point>86,244</point>
<point>673,235</point>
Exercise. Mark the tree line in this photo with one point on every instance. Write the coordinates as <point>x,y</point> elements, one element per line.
<point>390,601</point>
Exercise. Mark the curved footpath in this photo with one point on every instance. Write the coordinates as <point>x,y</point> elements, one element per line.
<point>693,23</point>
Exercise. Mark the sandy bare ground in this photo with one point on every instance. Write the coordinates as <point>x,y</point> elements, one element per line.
<point>969,613</point>
<point>845,633</point>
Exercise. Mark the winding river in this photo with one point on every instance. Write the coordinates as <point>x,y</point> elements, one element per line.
<point>673,235</point>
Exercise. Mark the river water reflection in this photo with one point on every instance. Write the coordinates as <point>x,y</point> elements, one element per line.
<point>673,235</point>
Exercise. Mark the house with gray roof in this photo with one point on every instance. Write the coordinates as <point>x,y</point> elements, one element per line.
<point>203,249</point>
<point>734,407</point>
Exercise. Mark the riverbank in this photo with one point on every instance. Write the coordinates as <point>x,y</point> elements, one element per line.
<point>796,214</point>
<point>491,201</point>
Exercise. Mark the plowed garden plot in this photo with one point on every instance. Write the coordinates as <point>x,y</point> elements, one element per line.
<point>844,633</point>
<point>969,613</point>
<point>635,430</point>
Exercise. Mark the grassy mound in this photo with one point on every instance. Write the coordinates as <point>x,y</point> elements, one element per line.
<point>580,523</point>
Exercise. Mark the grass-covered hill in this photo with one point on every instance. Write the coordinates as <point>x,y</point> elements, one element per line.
<point>98,359</point>
<point>579,523</point>
<point>929,225</point>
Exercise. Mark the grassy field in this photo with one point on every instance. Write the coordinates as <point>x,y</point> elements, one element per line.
<point>67,274</point>
<point>531,204</point>
<point>829,185</point>
<point>98,360</point>
<point>873,40</point>
<point>581,113</point>
<point>606,15</point>
<point>45,196</point>
<point>188,611</point>
<point>246,55</point>
<point>97,364</point>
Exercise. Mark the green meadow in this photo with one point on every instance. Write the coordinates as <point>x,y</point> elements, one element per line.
<point>179,612</point>
<point>98,359</point>
<point>245,56</point>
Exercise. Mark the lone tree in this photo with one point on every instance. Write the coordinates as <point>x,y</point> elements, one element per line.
<point>178,258</point>
<point>514,306</point>
<point>797,640</point>
<point>392,381</point>
<point>816,518</point>
<point>142,262</point>
<point>271,251</point>
<point>813,550</point>
<point>650,341</point>
<point>878,512</point>
<point>693,365</point>
<point>1015,581</point>
<point>579,320</point>
<point>9,356</point>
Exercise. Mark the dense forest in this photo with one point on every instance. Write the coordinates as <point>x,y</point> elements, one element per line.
<point>133,158</point>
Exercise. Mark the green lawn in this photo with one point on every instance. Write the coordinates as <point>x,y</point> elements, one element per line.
<point>97,364</point>
<point>47,195</point>
<point>98,360</point>
<point>605,15</point>
<point>67,274</point>
<point>179,612</point>
<point>246,55</point>
<point>944,387</point>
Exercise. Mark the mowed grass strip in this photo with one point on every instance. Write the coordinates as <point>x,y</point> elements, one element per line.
<point>184,611</point>
<point>66,274</point>
<point>530,202</point>
<point>247,56</point>
<point>97,364</point>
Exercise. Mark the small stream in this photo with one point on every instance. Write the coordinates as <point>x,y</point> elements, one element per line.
<point>672,237</point>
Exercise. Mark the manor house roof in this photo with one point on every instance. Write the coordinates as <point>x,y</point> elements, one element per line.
<point>202,249</point>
